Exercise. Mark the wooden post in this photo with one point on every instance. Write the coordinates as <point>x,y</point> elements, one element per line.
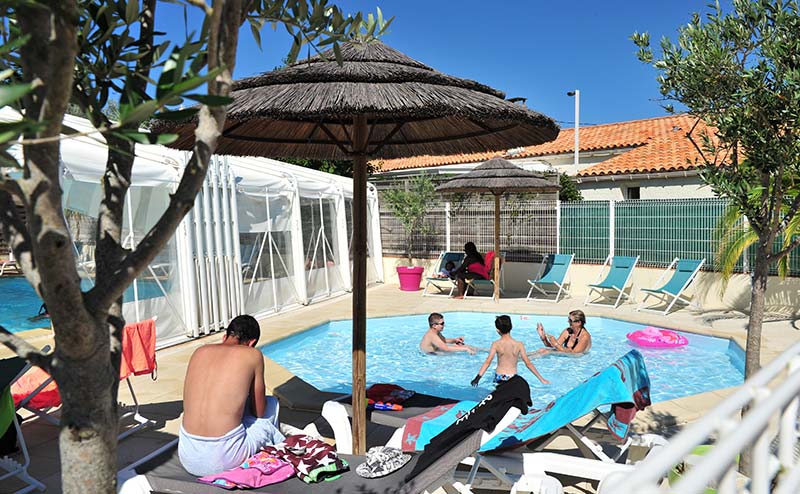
<point>496,247</point>
<point>360,136</point>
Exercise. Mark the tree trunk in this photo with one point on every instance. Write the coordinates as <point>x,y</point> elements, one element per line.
<point>89,418</point>
<point>752,359</point>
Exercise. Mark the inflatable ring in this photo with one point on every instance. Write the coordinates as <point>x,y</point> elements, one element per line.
<point>657,338</point>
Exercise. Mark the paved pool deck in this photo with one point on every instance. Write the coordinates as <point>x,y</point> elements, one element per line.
<point>161,399</point>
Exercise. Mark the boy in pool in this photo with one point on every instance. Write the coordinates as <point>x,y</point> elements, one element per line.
<point>509,351</point>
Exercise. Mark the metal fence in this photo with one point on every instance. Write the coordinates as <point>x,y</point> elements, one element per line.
<point>657,230</point>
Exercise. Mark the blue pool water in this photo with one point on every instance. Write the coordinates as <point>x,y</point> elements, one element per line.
<point>322,357</point>
<point>19,301</point>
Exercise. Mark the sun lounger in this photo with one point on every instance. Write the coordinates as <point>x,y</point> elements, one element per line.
<point>10,467</point>
<point>163,473</point>
<point>624,385</point>
<point>685,271</point>
<point>442,284</point>
<point>554,275</point>
<point>616,280</point>
<point>417,404</point>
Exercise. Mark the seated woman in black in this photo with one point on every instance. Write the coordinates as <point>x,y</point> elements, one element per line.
<point>473,267</point>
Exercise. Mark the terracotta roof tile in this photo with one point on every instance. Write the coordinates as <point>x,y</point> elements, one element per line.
<point>660,144</point>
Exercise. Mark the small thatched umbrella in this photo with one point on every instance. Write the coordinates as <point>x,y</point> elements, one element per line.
<point>498,176</point>
<point>378,103</point>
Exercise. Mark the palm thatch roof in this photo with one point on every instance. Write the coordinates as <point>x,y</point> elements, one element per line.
<point>498,176</point>
<point>306,110</point>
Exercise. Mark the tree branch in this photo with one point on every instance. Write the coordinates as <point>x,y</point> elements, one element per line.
<point>227,15</point>
<point>24,349</point>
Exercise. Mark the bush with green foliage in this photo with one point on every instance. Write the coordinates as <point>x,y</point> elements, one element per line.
<point>410,204</point>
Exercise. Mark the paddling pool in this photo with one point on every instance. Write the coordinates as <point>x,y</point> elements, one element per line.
<point>322,357</point>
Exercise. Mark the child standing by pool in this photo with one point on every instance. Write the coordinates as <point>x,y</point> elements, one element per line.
<point>509,351</point>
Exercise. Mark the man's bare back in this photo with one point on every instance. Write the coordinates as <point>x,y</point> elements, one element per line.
<point>508,352</point>
<point>221,380</point>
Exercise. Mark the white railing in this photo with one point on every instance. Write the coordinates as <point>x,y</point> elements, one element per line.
<point>770,428</point>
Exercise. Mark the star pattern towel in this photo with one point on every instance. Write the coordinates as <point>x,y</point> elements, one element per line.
<point>314,460</point>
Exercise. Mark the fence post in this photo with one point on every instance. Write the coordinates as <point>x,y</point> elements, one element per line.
<point>611,227</point>
<point>447,225</point>
<point>558,226</point>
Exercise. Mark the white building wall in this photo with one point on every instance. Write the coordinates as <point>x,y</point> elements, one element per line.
<point>654,188</point>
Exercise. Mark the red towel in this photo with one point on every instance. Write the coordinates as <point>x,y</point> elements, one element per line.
<point>138,349</point>
<point>25,385</point>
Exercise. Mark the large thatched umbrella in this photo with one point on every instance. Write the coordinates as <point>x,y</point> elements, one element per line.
<point>497,176</point>
<point>378,103</point>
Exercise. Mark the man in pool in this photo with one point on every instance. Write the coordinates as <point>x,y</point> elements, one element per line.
<point>226,416</point>
<point>434,342</point>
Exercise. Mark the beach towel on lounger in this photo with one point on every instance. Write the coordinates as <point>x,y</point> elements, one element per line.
<point>259,470</point>
<point>624,385</point>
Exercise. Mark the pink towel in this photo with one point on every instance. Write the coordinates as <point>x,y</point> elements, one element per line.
<point>257,471</point>
<point>138,349</point>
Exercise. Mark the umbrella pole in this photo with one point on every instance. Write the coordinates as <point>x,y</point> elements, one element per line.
<point>496,247</point>
<point>360,134</point>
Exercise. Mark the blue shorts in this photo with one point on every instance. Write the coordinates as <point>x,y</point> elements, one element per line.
<point>498,378</point>
<point>202,456</point>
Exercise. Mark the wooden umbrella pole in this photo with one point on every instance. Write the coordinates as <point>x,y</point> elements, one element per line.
<point>496,247</point>
<point>360,133</point>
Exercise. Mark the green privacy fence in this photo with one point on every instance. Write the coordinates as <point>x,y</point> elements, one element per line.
<point>657,230</point>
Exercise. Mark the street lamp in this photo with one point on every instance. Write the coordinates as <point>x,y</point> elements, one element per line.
<point>577,95</point>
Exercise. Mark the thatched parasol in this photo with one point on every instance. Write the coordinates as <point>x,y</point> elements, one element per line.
<point>378,103</point>
<point>498,176</point>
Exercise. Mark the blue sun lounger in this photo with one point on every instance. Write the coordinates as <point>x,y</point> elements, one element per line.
<point>619,273</point>
<point>554,274</point>
<point>670,292</point>
<point>443,284</point>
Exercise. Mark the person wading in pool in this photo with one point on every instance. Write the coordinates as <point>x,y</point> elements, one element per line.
<point>226,416</point>
<point>434,342</point>
<point>574,340</point>
<point>509,352</point>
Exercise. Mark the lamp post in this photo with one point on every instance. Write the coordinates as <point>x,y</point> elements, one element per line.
<point>577,95</point>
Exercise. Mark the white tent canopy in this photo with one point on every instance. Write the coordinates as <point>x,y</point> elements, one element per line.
<point>263,235</point>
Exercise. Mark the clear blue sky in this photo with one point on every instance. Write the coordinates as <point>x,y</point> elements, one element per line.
<point>538,49</point>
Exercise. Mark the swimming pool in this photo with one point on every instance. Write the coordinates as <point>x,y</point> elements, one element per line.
<point>322,357</point>
<point>19,301</point>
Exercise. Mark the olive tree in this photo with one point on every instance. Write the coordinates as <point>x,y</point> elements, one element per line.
<point>57,53</point>
<point>739,72</point>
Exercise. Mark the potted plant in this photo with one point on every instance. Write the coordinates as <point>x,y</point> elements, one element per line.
<point>410,204</point>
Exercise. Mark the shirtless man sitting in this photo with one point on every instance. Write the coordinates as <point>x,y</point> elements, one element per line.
<point>433,341</point>
<point>226,416</point>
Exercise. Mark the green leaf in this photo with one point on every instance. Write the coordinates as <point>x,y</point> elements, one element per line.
<point>146,137</point>
<point>131,11</point>
<point>8,160</point>
<point>210,99</point>
<point>138,113</point>
<point>177,115</point>
<point>10,93</point>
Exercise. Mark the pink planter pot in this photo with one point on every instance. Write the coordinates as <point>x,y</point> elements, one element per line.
<point>410,277</point>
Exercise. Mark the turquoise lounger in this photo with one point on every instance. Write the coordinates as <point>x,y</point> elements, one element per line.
<point>442,284</point>
<point>616,280</point>
<point>554,274</point>
<point>670,292</point>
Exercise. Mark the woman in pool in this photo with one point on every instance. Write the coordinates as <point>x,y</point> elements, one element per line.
<point>574,340</point>
<point>473,267</point>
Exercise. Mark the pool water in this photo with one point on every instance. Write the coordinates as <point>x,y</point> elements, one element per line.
<point>19,303</point>
<point>322,357</point>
